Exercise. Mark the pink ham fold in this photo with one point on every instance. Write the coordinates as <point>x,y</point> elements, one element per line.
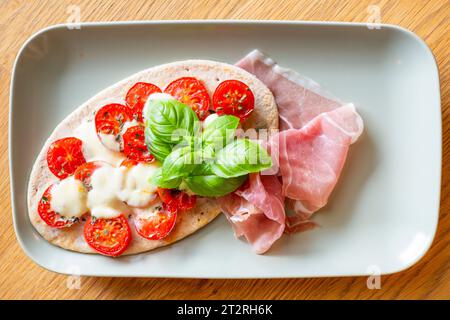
<point>257,212</point>
<point>298,98</point>
<point>316,130</point>
<point>310,159</point>
<point>301,103</point>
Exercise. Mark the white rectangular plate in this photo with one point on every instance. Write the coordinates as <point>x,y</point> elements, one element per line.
<point>381,217</point>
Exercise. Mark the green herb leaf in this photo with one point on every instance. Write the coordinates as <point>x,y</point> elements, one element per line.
<point>213,186</point>
<point>240,157</point>
<point>158,180</point>
<point>180,163</point>
<point>167,122</point>
<point>160,150</point>
<point>220,131</point>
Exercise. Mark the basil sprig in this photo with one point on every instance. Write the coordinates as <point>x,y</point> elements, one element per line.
<point>220,131</point>
<point>212,164</point>
<point>179,163</point>
<point>203,182</point>
<point>165,183</point>
<point>167,122</point>
<point>212,185</point>
<point>240,157</point>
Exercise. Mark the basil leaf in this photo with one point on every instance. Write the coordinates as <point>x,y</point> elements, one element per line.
<point>202,170</point>
<point>179,163</point>
<point>220,131</point>
<point>208,153</point>
<point>240,157</point>
<point>158,149</point>
<point>212,185</point>
<point>167,122</point>
<point>158,180</point>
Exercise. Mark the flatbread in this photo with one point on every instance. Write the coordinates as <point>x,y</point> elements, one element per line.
<point>211,73</point>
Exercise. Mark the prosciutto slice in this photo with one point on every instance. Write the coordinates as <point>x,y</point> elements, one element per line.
<point>257,212</point>
<point>316,130</point>
<point>299,99</point>
<point>310,159</point>
<point>304,104</point>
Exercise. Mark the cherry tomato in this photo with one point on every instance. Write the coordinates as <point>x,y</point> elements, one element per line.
<point>167,195</point>
<point>137,96</point>
<point>85,171</point>
<point>186,202</point>
<point>49,216</point>
<point>191,92</point>
<point>176,200</point>
<point>155,224</point>
<point>134,145</point>
<point>235,98</point>
<point>129,163</point>
<point>64,156</point>
<point>109,237</point>
<point>109,119</point>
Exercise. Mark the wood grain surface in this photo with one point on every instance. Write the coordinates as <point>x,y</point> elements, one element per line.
<point>20,278</point>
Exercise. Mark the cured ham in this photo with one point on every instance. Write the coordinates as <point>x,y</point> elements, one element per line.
<point>311,159</point>
<point>299,99</point>
<point>257,211</point>
<point>309,152</point>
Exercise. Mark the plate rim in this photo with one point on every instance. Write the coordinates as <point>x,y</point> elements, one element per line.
<point>93,24</point>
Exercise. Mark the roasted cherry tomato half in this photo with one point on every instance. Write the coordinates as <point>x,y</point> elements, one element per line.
<point>85,171</point>
<point>64,156</point>
<point>110,119</point>
<point>49,216</point>
<point>176,200</point>
<point>109,122</point>
<point>191,92</point>
<point>137,96</point>
<point>109,237</point>
<point>186,202</point>
<point>235,98</point>
<point>129,163</point>
<point>155,224</point>
<point>134,145</point>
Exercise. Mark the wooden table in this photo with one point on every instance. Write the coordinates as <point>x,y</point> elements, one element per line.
<point>20,278</point>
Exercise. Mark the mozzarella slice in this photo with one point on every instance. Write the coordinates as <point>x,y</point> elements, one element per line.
<point>69,198</point>
<point>115,142</point>
<point>110,141</point>
<point>102,199</point>
<point>210,119</point>
<point>93,149</point>
<point>115,190</point>
<point>136,189</point>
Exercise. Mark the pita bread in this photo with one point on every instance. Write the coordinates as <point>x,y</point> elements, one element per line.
<point>211,73</point>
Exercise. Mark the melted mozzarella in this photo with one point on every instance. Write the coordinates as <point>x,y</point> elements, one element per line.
<point>155,96</point>
<point>114,190</point>
<point>149,210</point>
<point>102,199</point>
<point>160,96</point>
<point>136,189</point>
<point>93,149</point>
<point>210,119</point>
<point>129,124</point>
<point>115,142</point>
<point>110,141</point>
<point>69,198</point>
